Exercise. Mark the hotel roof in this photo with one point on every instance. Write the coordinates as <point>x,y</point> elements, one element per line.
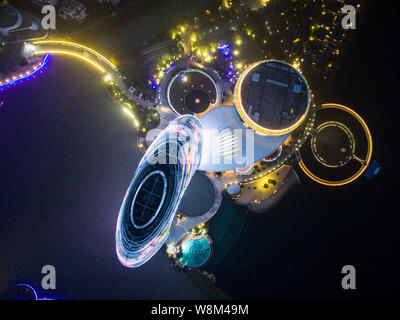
<point>272,97</point>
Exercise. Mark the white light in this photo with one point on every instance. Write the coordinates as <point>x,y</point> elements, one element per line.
<point>28,50</point>
<point>171,249</point>
<point>129,113</point>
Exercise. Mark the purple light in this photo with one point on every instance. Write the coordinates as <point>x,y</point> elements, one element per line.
<point>45,61</point>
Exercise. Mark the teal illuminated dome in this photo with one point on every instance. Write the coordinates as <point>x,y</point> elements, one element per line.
<point>196,252</point>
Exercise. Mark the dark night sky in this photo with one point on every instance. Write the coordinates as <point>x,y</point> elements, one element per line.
<point>67,156</point>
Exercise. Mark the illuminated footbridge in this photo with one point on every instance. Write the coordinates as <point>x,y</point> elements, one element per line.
<point>75,50</point>
<point>46,48</point>
<point>89,56</point>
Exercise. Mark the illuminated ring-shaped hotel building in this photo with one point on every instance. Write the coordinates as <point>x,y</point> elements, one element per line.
<point>272,97</point>
<point>150,204</point>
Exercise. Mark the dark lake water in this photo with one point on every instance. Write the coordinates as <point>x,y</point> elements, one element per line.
<point>67,155</point>
<point>199,196</point>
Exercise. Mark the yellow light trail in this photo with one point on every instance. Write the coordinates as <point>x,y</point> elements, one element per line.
<point>369,153</point>
<point>72,54</point>
<point>79,46</point>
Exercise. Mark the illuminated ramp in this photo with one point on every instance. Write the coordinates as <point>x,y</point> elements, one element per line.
<point>152,199</point>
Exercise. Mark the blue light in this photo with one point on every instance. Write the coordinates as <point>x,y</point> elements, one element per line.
<point>27,285</point>
<point>35,291</point>
<point>223,47</point>
<point>45,61</point>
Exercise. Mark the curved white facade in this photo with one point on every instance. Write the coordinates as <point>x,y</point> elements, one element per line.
<point>228,144</point>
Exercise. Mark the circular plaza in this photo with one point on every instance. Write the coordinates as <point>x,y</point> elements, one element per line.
<point>333,144</point>
<point>190,88</point>
<point>340,148</point>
